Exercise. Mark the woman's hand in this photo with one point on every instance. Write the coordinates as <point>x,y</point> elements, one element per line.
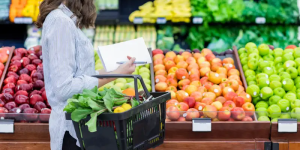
<point>128,67</point>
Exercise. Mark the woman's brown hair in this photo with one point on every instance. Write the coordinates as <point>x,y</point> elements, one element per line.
<point>84,10</point>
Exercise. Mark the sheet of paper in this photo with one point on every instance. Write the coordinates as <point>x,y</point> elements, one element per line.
<point>111,54</point>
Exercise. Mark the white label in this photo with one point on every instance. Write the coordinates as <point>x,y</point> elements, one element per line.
<point>216,90</point>
<point>230,65</point>
<point>261,95</point>
<point>183,77</point>
<point>268,68</point>
<point>184,115</point>
<point>268,82</point>
<point>287,125</point>
<point>23,21</point>
<point>197,20</point>
<point>267,76</point>
<point>260,20</point>
<point>217,75</point>
<point>186,94</point>
<point>248,96</point>
<point>189,73</point>
<point>200,108</point>
<point>161,20</point>
<point>6,127</point>
<point>284,82</point>
<point>200,125</point>
<point>138,20</point>
<point>287,65</point>
<point>229,90</point>
<point>157,80</point>
<point>7,51</point>
<point>254,93</point>
<point>21,60</point>
<point>176,104</point>
<point>288,108</point>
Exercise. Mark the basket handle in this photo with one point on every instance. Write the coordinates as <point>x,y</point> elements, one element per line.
<point>135,77</point>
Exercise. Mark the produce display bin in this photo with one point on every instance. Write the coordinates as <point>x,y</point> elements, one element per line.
<point>123,130</point>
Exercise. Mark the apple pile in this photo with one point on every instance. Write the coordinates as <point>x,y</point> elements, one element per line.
<point>23,89</point>
<point>201,85</point>
<point>273,79</point>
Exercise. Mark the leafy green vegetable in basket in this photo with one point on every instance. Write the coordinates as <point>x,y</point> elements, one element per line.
<point>93,103</point>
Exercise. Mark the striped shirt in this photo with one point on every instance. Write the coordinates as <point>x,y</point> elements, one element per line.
<point>68,60</point>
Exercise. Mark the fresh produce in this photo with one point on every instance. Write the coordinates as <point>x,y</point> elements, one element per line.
<point>29,8</point>
<point>173,10</point>
<point>275,77</point>
<point>23,86</point>
<point>94,102</point>
<point>201,85</point>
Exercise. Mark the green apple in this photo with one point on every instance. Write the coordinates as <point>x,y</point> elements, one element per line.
<point>147,81</point>
<point>263,64</point>
<point>254,56</point>
<point>108,85</point>
<point>279,92</point>
<point>295,103</point>
<point>122,86</point>
<point>250,45</point>
<point>261,111</point>
<point>287,57</point>
<point>290,96</point>
<point>292,71</point>
<point>284,105</point>
<point>287,84</point>
<point>252,83</point>
<point>253,90</point>
<point>289,63</point>
<point>263,104</point>
<point>280,70</point>
<point>274,111</point>
<point>255,100</point>
<point>261,75</point>
<point>266,92</point>
<point>244,61</point>
<point>263,82</point>
<point>258,71</point>
<point>297,52</point>
<point>147,66</point>
<point>144,69</point>
<point>129,80</point>
<point>297,80</point>
<point>244,55</point>
<point>250,78</point>
<point>284,75</point>
<point>297,61</point>
<point>285,116</point>
<point>295,113</point>
<point>263,118</point>
<point>277,60</point>
<point>130,84</point>
<point>299,70</point>
<point>288,51</point>
<point>263,49</point>
<point>271,52</point>
<point>274,99</point>
<point>245,67</point>
<point>275,84</point>
<point>278,52</point>
<point>297,84</point>
<point>121,80</point>
<point>293,90</point>
<point>249,72</point>
<point>268,58</point>
<point>145,75</point>
<point>117,88</point>
<point>242,50</point>
<point>274,120</point>
<point>274,77</point>
<point>268,70</point>
<point>148,87</point>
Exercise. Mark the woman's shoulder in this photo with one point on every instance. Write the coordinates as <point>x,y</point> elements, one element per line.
<point>57,16</point>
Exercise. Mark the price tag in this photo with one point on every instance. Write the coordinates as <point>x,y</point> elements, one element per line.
<point>260,20</point>
<point>201,125</point>
<point>138,20</point>
<point>161,20</point>
<point>197,20</point>
<point>6,126</point>
<point>287,125</point>
<point>23,21</point>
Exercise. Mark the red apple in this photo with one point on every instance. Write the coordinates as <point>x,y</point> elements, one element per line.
<point>224,114</point>
<point>190,101</point>
<point>238,113</point>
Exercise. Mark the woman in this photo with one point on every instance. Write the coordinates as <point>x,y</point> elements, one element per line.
<point>68,60</point>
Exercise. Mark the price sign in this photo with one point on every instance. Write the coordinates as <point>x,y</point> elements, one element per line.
<point>197,20</point>
<point>260,20</point>
<point>6,126</point>
<point>23,21</point>
<point>138,20</point>
<point>287,125</point>
<point>201,125</point>
<point>161,20</point>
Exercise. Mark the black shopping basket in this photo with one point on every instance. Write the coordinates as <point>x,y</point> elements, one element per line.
<point>139,128</point>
